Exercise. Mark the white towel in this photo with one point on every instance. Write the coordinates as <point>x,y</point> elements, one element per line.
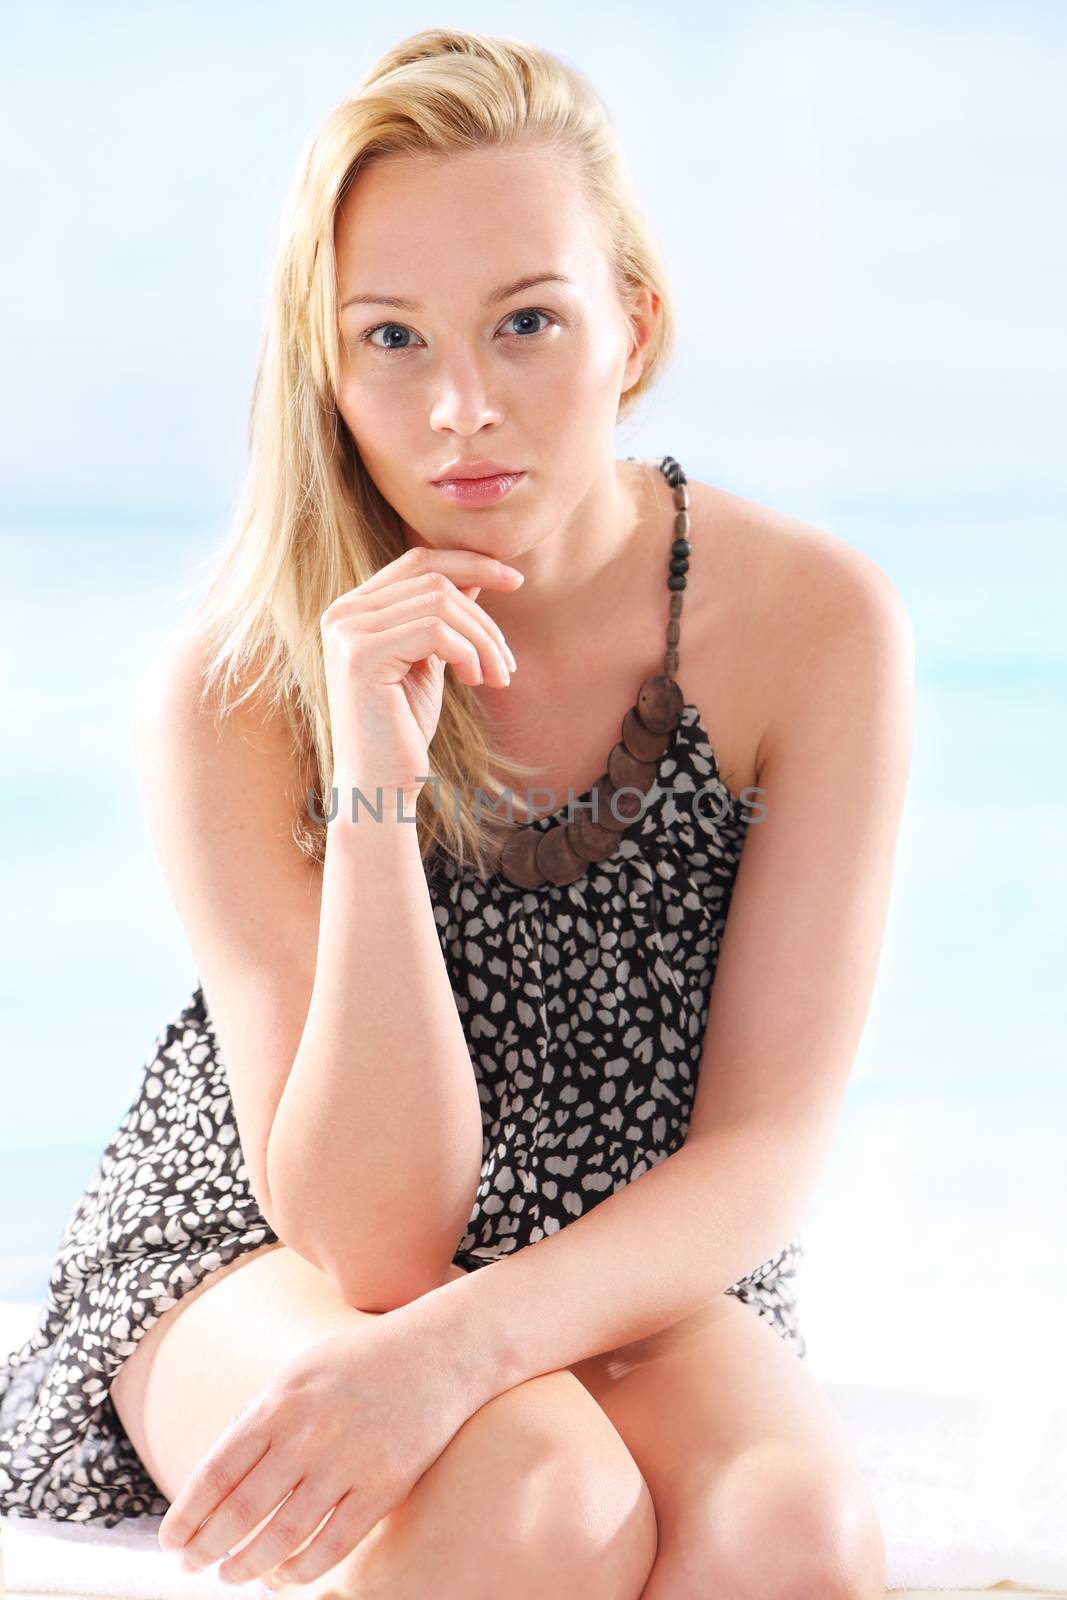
<point>967,1483</point>
<point>67,1558</point>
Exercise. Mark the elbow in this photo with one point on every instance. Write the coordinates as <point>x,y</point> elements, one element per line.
<point>370,1289</point>
<point>370,1274</point>
<point>391,1276</point>
<point>376,1291</point>
<point>380,1266</point>
<point>384,1297</point>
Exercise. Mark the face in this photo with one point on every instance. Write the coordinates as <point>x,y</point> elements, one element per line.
<point>531,381</point>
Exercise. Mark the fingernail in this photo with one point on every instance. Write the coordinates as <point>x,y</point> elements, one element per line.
<point>511,658</point>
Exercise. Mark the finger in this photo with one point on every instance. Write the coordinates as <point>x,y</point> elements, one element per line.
<point>268,1487</point>
<point>230,1459</point>
<point>292,1526</point>
<point>463,566</point>
<point>389,654</point>
<point>459,613</point>
<point>418,591</point>
<point>351,1520</point>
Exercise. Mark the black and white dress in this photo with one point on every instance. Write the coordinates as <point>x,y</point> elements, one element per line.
<point>584,1008</point>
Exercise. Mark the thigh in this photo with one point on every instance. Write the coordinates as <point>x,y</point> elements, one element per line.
<point>756,1484</point>
<point>225,1340</point>
<point>201,1361</point>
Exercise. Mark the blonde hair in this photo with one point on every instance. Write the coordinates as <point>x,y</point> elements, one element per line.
<point>310,523</point>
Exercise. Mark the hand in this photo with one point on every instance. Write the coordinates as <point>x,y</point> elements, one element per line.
<point>349,1426</point>
<point>385,646</point>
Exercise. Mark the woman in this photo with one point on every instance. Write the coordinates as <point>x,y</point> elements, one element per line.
<point>272,1296</point>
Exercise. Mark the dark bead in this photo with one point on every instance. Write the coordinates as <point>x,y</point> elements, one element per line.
<point>679,563</point>
<point>681,547</point>
<point>676,581</point>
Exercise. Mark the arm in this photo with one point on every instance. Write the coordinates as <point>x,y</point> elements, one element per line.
<point>339,1118</point>
<point>790,996</point>
<point>375,1153</point>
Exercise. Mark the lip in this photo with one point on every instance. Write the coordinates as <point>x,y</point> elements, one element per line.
<point>473,492</point>
<point>460,470</point>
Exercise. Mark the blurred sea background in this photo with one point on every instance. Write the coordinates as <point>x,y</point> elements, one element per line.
<point>860,211</point>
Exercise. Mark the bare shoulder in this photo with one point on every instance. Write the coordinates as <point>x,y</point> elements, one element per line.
<point>173,697</point>
<point>220,790</point>
<point>803,572</point>
<point>244,759</point>
<point>805,604</point>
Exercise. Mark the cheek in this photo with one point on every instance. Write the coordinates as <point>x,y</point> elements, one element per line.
<point>593,374</point>
<point>373,411</point>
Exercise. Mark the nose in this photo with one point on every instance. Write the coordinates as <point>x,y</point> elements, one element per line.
<point>462,402</point>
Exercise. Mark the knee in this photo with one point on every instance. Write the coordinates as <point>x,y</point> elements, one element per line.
<point>578,1514</point>
<point>772,1531</point>
<point>587,1529</point>
<point>536,1495</point>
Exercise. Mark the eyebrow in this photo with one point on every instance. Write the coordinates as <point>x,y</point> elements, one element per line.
<point>505,291</point>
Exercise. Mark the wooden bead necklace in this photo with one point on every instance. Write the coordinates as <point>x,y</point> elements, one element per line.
<point>560,854</point>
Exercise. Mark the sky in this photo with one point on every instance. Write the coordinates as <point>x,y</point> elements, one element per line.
<point>860,207</point>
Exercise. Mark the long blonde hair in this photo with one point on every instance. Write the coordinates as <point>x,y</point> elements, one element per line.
<point>310,523</point>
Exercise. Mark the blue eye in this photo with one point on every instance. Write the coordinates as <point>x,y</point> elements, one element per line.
<point>530,313</point>
<point>401,349</point>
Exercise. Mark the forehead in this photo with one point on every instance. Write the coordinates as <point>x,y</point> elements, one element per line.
<point>430,223</point>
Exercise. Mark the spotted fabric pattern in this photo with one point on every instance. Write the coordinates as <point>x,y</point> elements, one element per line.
<point>584,1007</point>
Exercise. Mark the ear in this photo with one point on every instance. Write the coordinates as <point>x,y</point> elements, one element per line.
<point>642,315</point>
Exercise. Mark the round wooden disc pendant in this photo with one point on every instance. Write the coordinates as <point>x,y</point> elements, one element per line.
<point>641,741</point>
<point>518,860</point>
<point>626,772</point>
<point>557,857</point>
<point>659,703</point>
<point>591,840</point>
<point>626,806</point>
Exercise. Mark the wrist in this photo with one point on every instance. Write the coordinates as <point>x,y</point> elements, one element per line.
<point>362,799</point>
<point>463,1336</point>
